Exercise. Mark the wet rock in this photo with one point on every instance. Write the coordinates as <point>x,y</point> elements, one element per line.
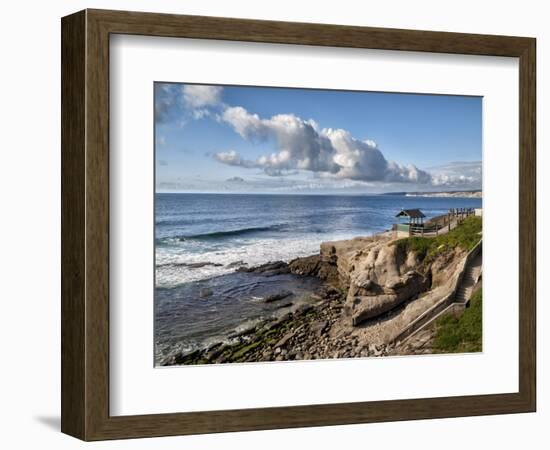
<point>198,265</point>
<point>331,291</point>
<point>206,292</point>
<point>270,268</point>
<point>236,264</point>
<point>272,325</point>
<point>285,305</point>
<point>278,322</point>
<point>214,351</point>
<point>308,265</point>
<point>278,296</point>
<point>243,332</point>
<point>186,357</point>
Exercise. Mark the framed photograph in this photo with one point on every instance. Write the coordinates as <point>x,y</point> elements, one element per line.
<point>272,225</point>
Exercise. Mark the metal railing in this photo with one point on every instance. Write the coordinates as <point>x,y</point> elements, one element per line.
<point>454,217</point>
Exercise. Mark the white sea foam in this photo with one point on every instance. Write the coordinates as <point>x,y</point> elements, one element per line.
<point>173,263</point>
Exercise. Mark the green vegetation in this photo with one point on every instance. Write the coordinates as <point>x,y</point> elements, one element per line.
<point>463,334</point>
<point>465,236</point>
<point>239,352</point>
<point>244,350</point>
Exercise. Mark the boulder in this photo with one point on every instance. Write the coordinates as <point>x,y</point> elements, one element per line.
<point>308,265</point>
<point>278,296</point>
<point>284,340</point>
<point>319,327</point>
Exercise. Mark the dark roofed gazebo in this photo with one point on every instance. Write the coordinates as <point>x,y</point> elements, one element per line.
<point>411,213</point>
<point>415,219</point>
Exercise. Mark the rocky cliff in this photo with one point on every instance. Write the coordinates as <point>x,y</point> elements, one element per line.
<point>376,274</point>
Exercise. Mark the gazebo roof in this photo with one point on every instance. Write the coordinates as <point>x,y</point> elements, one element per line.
<point>412,213</point>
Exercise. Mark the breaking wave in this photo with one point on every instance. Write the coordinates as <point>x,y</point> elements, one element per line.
<point>221,234</point>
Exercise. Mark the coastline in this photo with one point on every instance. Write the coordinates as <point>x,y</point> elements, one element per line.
<point>446,194</point>
<point>371,289</point>
<point>475,193</point>
<point>310,332</point>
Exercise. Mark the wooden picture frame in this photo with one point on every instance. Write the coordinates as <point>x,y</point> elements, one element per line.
<point>85,224</point>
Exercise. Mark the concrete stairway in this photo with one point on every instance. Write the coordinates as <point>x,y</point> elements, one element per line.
<point>471,275</point>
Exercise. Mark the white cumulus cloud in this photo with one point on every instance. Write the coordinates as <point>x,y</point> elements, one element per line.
<point>200,96</point>
<point>302,145</point>
<point>462,174</point>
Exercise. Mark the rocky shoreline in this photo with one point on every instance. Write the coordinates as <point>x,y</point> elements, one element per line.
<point>316,329</point>
<point>310,332</point>
<point>372,287</point>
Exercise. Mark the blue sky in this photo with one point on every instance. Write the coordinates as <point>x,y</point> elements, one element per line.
<point>262,140</point>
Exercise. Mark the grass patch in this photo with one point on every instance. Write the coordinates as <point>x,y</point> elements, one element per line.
<point>420,245</point>
<point>463,334</point>
<point>465,236</point>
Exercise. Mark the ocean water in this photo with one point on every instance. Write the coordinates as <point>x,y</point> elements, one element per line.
<point>202,238</point>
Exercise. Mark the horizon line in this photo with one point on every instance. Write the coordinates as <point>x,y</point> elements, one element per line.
<point>318,193</point>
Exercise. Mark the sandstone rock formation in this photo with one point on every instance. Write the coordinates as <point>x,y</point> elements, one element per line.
<point>378,275</point>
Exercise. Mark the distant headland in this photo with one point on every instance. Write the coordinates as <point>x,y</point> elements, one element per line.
<point>446,194</point>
